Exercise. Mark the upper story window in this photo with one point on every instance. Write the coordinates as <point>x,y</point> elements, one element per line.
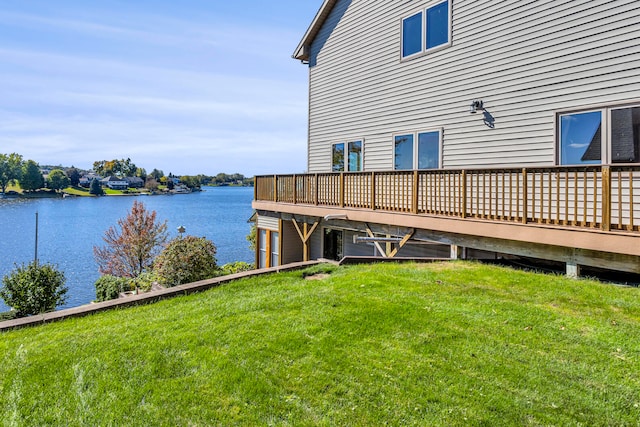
<point>346,156</point>
<point>608,135</point>
<point>420,150</point>
<point>427,29</point>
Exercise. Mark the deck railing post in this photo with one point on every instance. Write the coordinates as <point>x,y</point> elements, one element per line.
<point>606,198</point>
<point>525,196</point>
<point>373,191</point>
<point>341,189</point>
<point>463,195</point>
<point>275,188</point>
<point>414,196</point>
<point>255,188</point>
<point>316,191</point>
<point>295,186</point>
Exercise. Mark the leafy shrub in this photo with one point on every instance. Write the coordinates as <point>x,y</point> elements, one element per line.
<point>145,281</point>
<point>34,288</point>
<point>185,260</point>
<point>109,287</point>
<point>252,237</point>
<point>8,315</point>
<point>237,267</point>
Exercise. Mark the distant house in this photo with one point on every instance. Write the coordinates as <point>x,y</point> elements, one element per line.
<point>115,183</point>
<point>135,181</point>
<point>465,128</point>
<point>85,180</point>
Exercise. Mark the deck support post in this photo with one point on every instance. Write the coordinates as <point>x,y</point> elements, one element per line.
<point>458,252</point>
<point>405,239</point>
<point>573,269</point>
<point>304,235</point>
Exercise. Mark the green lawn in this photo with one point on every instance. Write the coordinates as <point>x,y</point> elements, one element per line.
<point>438,344</point>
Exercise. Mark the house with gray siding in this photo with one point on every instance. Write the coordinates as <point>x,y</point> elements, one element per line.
<point>466,128</point>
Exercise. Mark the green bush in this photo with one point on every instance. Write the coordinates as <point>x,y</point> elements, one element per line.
<point>237,267</point>
<point>34,288</point>
<point>145,281</point>
<point>8,315</point>
<point>109,287</point>
<point>185,260</point>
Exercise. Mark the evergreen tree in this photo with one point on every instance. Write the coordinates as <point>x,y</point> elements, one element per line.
<point>74,176</point>
<point>96,188</point>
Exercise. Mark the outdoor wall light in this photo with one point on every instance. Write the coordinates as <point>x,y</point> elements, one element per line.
<point>476,105</point>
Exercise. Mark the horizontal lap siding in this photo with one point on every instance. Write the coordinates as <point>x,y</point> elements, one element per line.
<point>268,223</point>
<point>525,60</point>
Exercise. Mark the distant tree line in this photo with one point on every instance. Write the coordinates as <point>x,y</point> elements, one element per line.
<point>30,176</point>
<point>15,170</point>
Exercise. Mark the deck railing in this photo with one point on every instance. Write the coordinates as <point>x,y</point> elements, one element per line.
<point>597,197</point>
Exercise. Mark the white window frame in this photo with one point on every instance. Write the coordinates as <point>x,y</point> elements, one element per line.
<point>345,154</point>
<point>606,129</point>
<point>423,41</point>
<point>415,147</point>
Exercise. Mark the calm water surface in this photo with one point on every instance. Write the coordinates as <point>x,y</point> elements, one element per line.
<point>70,228</point>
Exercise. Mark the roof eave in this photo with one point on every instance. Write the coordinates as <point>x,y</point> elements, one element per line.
<point>302,51</point>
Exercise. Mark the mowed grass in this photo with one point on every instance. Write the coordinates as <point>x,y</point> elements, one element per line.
<point>412,344</point>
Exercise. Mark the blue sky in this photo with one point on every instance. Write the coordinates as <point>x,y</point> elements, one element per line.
<point>188,87</point>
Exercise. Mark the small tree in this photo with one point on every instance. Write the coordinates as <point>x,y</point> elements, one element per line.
<point>10,169</point>
<point>131,247</point>
<point>34,289</point>
<point>32,178</point>
<point>95,188</point>
<point>151,184</point>
<point>185,260</point>
<point>57,180</point>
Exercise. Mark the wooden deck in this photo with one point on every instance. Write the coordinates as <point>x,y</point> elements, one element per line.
<point>605,198</point>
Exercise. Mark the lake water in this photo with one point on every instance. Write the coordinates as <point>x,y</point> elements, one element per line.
<point>69,229</point>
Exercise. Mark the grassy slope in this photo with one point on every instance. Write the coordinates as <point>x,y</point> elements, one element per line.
<point>443,344</point>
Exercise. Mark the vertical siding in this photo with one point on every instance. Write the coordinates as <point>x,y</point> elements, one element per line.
<point>526,60</point>
<point>291,244</point>
<point>425,251</point>
<point>315,242</point>
<point>357,249</point>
